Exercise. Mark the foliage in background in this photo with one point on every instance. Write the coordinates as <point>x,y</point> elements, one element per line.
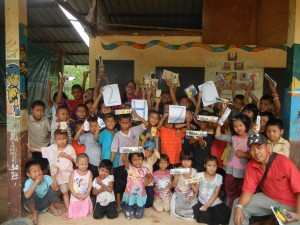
<point>72,71</point>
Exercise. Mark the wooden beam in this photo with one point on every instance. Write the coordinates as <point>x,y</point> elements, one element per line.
<point>50,26</point>
<point>41,5</point>
<point>168,15</point>
<point>76,53</point>
<point>56,41</point>
<point>148,33</point>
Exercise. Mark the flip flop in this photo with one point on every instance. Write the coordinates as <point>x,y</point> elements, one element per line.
<point>65,215</point>
<point>56,212</point>
<point>34,220</point>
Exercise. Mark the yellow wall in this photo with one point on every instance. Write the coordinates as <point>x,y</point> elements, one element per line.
<point>148,59</point>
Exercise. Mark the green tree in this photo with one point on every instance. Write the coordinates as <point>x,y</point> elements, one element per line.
<point>76,72</point>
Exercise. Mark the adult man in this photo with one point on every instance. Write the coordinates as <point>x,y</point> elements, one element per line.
<point>280,188</point>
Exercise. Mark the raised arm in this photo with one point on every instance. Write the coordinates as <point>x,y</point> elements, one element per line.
<point>140,118</point>
<point>49,100</point>
<point>78,133</point>
<point>60,90</point>
<point>161,122</point>
<point>172,93</point>
<point>277,105</point>
<point>233,88</point>
<point>96,102</point>
<point>148,98</point>
<point>85,75</point>
<point>198,105</point>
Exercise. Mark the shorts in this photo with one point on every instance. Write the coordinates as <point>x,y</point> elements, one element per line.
<point>64,188</point>
<point>120,179</point>
<point>41,204</point>
<point>110,211</point>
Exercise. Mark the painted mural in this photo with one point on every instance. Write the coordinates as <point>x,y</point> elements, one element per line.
<point>169,46</point>
<point>12,89</point>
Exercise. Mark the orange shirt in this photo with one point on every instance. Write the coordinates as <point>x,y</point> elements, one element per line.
<point>78,148</point>
<point>171,144</point>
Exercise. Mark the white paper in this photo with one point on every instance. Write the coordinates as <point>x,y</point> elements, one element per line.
<point>111,95</point>
<point>209,93</point>
<point>176,114</point>
<point>141,108</point>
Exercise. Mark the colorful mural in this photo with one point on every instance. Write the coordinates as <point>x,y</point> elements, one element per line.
<point>169,46</point>
<point>23,65</point>
<point>12,88</point>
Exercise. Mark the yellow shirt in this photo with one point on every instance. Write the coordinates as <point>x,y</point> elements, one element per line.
<point>281,147</point>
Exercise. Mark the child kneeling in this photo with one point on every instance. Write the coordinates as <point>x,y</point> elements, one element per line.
<point>103,188</point>
<point>210,209</point>
<point>40,192</point>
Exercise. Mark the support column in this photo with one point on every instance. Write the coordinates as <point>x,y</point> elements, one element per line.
<point>16,100</point>
<point>292,91</point>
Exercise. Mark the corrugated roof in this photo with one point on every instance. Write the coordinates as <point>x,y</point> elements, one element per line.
<point>48,27</point>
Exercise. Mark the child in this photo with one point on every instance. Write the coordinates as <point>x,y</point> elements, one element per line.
<point>81,112</point>
<point>274,131</point>
<point>103,189</point>
<point>150,157</point>
<point>80,185</point>
<point>105,138</point>
<point>52,103</point>
<point>239,155</point>
<point>40,191</point>
<point>127,137</point>
<point>76,92</point>
<point>163,184</point>
<point>135,197</point>
<point>251,111</point>
<point>185,195</point>
<point>171,138</point>
<point>62,115</point>
<point>77,147</point>
<point>60,157</point>
<point>200,146</point>
<point>265,117</point>
<point>91,111</point>
<point>92,149</point>
<point>210,209</point>
<point>38,131</point>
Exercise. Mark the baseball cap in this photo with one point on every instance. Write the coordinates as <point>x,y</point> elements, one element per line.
<point>257,138</point>
<point>149,144</point>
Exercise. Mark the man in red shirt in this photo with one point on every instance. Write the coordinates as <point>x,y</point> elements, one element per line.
<point>280,188</point>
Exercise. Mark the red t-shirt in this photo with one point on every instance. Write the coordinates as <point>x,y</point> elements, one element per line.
<point>78,148</point>
<point>71,105</point>
<point>171,144</point>
<point>282,183</point>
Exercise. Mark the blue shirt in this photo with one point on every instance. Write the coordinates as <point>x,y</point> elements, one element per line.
<point>42,189</point>
<point>105,140</point>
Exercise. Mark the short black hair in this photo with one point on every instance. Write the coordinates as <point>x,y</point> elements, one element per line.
<point>268,98</point>
<point>204,113</point>
<point>108,115</point>
<point>253,108</point>
<point>29,164</point>
<point>154,112</point>
<point>139,155</point>
<point>55,95</point>
<point>82,106</point>
<point>125,116</point>
<point>186,155</point>
<point>38,103</point>
<point>211,158</point>
<point>60,132</point>
<point>82,156</point>
<point>239,97</point>
<point>275,122</point>
<point>164,157</point>
<point>76,86</point>
<point>90,102</point>
<point>268,114</point>
<point>92,119</point>
<point>106,164</point>
<point>60,108</point>
<point>245,120</point>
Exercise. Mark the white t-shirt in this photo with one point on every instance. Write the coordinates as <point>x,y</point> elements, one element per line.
<point>207,188</point>
<point>104,198</point>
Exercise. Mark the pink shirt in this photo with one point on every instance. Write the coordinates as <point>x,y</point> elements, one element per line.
<point>63,166</point>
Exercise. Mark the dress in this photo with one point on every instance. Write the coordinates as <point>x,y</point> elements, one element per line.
<point>135,197</point>
<point>80,208</point>
<point>179,206</point>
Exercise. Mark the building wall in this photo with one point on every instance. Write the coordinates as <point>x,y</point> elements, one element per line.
<point>146,60</point>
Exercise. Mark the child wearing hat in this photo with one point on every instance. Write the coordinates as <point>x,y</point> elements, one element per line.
<point>151,155</point>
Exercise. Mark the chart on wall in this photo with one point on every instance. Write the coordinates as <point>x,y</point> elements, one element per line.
<point>118,71</point>
<point>187,76</point>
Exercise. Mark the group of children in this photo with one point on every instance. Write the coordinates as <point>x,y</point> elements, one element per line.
<point>93,175</point>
